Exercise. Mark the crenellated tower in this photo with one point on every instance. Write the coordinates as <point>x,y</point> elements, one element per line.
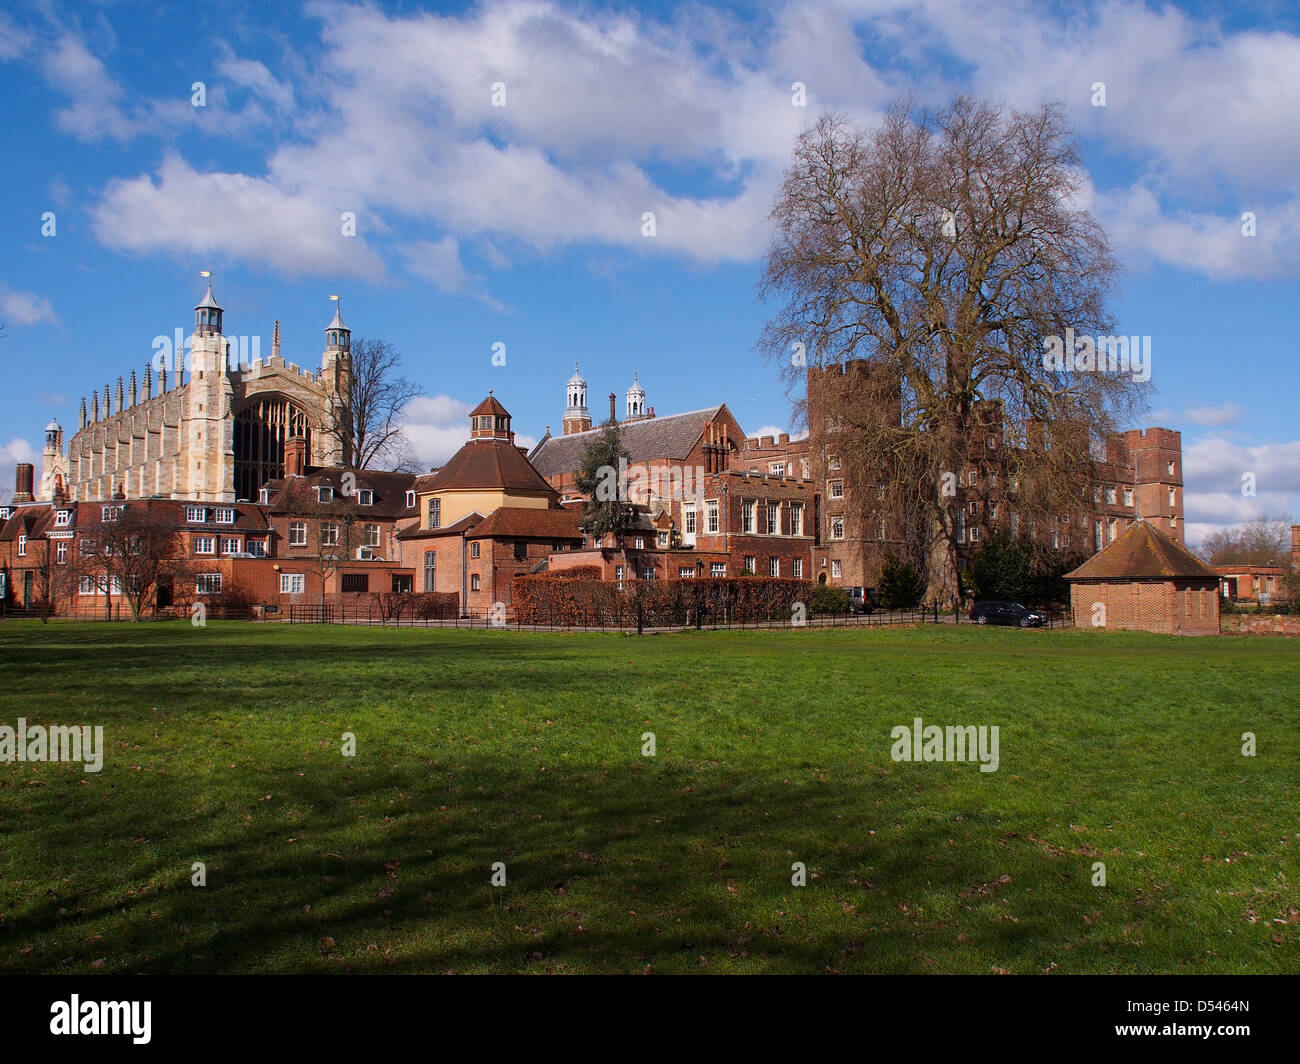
<point>207,409</point>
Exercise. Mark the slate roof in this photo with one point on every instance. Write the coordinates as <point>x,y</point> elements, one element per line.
<point>486,463</point>
<point>293,494</point>
<point>1143,552</point>
<point>671,436</point>
<point>520,522</point>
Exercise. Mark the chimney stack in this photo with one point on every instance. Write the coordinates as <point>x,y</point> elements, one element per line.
<point>1295,547</point>
<point>24,475</point>
<point>613,412</point>
<point>295,456</point>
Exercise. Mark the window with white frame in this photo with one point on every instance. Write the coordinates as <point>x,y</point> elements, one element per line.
<point>410,499</point>
<point>835,461</point>
<point>972,478</point>
<point>229,544</point>
<point>365,497</point>
<point>688,518</point>
<point>1110,496</point>
<point>324,493</point>
<point>329,534</point>
<point>476,549</point>
<point>640,543</point>
<point>777,469</point>
<point>711,516</point>
<point>618,574</point>
<point>797,568</point>
<point>717,568</point>
<point>661,538</point>
<point>1112,530</point>
<point>773,518</point>
<point>837,569</point>
<point>112,513</point>
<point>224,515</point>
<point>256,547</point>
<point>61,552</point>
<point>1170,467</point>
<point>751,563</point>
<point>204,544</point>
<point>22,546</point>
<point>370,535</point>
<point>974,534</point>
<point>88,585</point>
<point>837,528</point>
<point>292,583</point>
<point>1097,536</point>
<point>648,573</point>
<point>196,515</point>
<point>297,533</point>
<point>837,489</point>
<point>747,517</point>
<point>61,518</point>
<point>1173,497</point>
<point>685,572</point>
<point>773,566</point>
<point>207,584</point>
<point>264,496</point>
<point>474,582</point>
<point>1128,496</point>
<point>796,519</point>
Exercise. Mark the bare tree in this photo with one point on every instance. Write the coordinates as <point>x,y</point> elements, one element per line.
<point>57,576</point>
<point>939,252</point>
<point>135,549</point>
<point>372,423</point>
<point>331,523</point>
<point>1263,541</point>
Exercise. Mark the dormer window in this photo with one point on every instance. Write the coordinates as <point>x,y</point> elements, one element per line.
<point>196,515</point>
<point>365,497</point>
<point>112,513</point>
<point>61,518</point>
<point>410,500</point>
<point>225,516</point>
<point>5,513</point>
<point>264,496</point>
<point>324,494</point>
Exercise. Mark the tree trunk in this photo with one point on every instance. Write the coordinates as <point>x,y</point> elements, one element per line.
<point>942,581</point>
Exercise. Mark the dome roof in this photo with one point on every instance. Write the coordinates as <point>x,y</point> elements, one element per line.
<point>53,426</point>
<point>577,377</point>
<point>636,388</point>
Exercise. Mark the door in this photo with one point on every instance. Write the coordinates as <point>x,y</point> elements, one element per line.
<point>29,578</point>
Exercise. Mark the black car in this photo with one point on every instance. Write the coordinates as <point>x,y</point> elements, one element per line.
<point>998,611</point>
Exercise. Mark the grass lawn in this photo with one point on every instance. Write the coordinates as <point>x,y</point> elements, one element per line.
<point>223,746</point>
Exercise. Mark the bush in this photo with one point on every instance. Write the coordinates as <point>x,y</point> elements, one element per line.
<point>901,586</point>
<point>550,599</point>
<point>827,599</point>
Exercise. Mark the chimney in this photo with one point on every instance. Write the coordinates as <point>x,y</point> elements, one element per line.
<point>295,456</point>
<point>613,412</point>
<point>24,474</point>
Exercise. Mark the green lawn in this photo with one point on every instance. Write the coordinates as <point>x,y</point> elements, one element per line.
<point>223,746</point>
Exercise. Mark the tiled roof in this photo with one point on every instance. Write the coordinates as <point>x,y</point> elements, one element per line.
<point>490,405</point>
<point>414,531</point>
<point>523,522</point>
<point>672,436</point>
<point>1143,552</point>
<point>293,494</point>
<point>486,463</point>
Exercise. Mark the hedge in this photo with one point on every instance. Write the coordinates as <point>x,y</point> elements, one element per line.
<point>561,600</point>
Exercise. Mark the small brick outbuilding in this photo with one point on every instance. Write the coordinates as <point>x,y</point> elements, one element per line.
<point>1146,581</point>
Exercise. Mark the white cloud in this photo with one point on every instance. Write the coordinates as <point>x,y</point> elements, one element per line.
<point>439,262</point>
<point>1215,472</point>
<point>24,308</point>
<point>231,215</point>
<point>1212,416</point>
<point>15,451</point>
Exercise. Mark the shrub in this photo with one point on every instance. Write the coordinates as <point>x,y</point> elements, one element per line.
<point>827,599</point>
<point>549,599</point>
<point>901,586</point>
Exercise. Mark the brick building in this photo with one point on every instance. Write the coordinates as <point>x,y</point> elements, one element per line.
<point>1146,581</point>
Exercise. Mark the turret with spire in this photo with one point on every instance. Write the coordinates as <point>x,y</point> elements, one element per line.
<point>576,416</point>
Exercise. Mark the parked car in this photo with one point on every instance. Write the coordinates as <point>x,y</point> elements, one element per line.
<point>863,599</point>
<point>998,611</point>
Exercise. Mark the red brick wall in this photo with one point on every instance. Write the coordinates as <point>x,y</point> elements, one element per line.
<point>1166,606</point>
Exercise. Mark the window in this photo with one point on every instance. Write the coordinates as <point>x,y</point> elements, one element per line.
<point>1096,536</point>
<point>640,542</point>
<point>711,515</point>
<point>297,533</point>
<point>256,547</point>
<point>207,584</point>
<point>797,568</point>
<point>354,582</point>
<point>370,535</point>
<point>751,563</point>
<point>410,500</point>
<point>61,518</point>
<point>365,497</point>
<point>434,514</point>
<point>618,574</point>
<point>837,528</point>
<point>431,570</point>
<point>992,442</point>
<point>521,550</point>
<point>688,517</point>
<point>1111,531</point>
<point>475,549</point>
<point>718,569</point>
<point>835,461</point>
<point>61,552</point>
<point>773,566</point>
<point>1128,496</point>
<point>1096,494</point>
<point>661,539</point>
<point>264,496</point>
<point>22,546</point>
<point>974,506</point>
<point>292,583</point>
<point>880,530</point>
<point>796,519</point>
<point>1173,497</point>
<point>993,511</point>
<point>203,544</point>
<point>230,545</point>
<point>648,573</point>
<point>224,516</point>
<point>88,586</point>
<point>196,515</point>
<point>837,569</point>
<point>1170,467</point>
<point>112,513</point>
<point>974,535</point>
<point>777,469</point>
<point>1110,496</point>
<point>1173,520</point>
<point>972,478</point>
<point>747,517</point>
<point>474,582</point>
<point>685,572</point>
<point>324,494</point>
<point>773,518</point>
<point>329,534</point>
<point>837,489</point>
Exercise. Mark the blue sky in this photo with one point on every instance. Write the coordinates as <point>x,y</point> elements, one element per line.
<point>521,224</point>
